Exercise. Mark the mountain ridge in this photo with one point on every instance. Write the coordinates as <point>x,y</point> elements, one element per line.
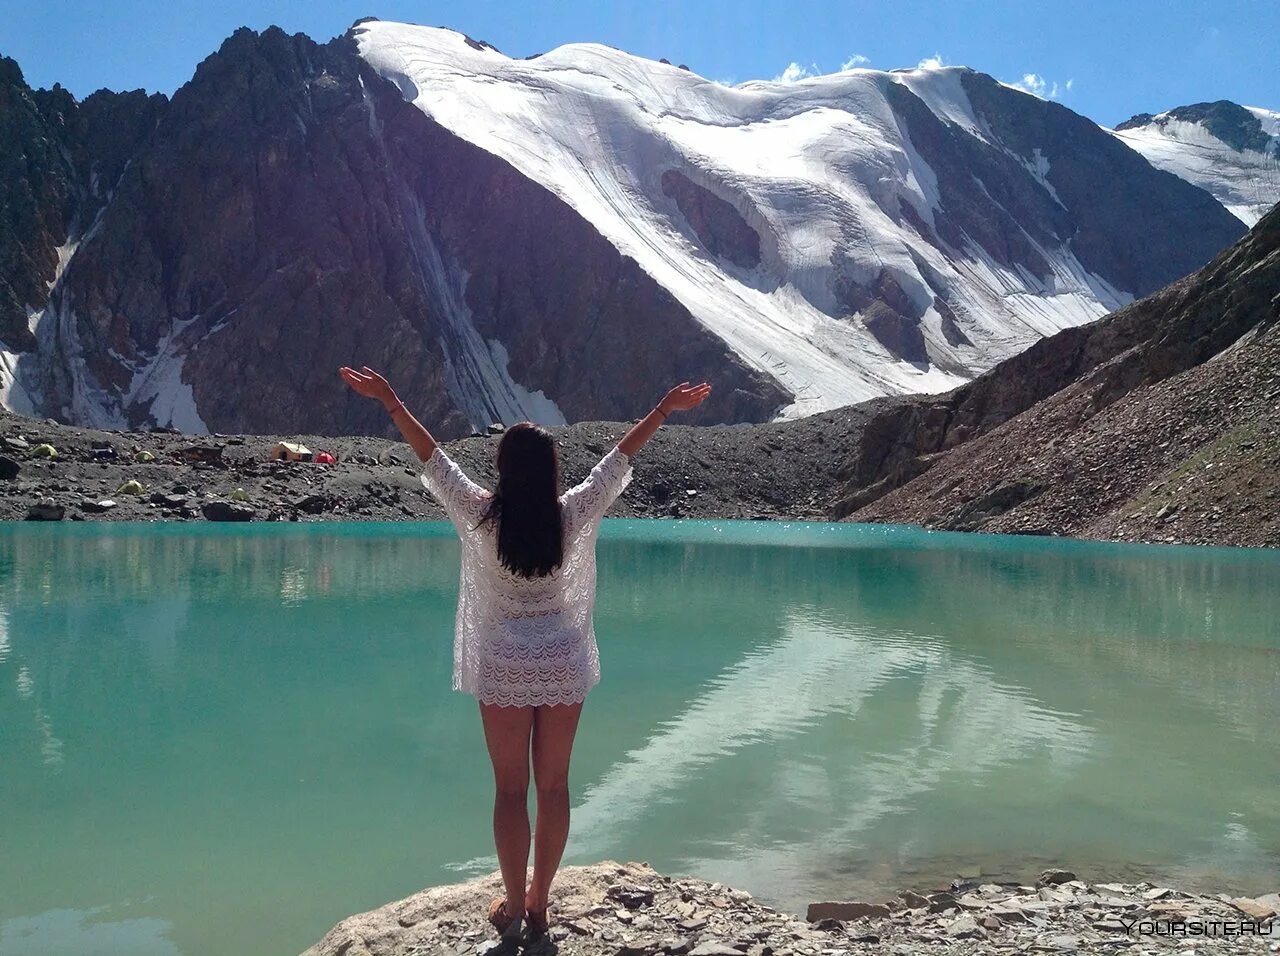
<point>167,295</point>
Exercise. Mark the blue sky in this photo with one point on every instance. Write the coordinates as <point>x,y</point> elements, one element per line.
<point>1120,56</point>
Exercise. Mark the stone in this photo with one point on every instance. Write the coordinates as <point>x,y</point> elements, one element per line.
<point>850,910</point>
<point>940,902</point>
<point>964,927</point>
<point>1259,908</point>
<point>990,922</point>
<point>632,897</point>
<point>1060,943</point>
<point>1156,893</point>
<point>46,509</point>
<point>714,947</point>
<point>913,901</point>
<point>1110,926</point>
<point>1054,877</point>
<point>1009,914</point>
<point>226,511</point>
<point>1118,889</point>
<point>96,507</point>
<point>17,443</point>
<point>9,469</point>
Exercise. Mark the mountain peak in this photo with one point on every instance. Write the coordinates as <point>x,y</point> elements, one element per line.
<point>1232,151</point>
<point>1233,124</point>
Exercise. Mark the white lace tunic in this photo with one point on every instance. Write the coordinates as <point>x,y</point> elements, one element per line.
<point>526,641</point>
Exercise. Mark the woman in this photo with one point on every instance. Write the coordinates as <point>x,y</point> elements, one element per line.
<point>523,644</point>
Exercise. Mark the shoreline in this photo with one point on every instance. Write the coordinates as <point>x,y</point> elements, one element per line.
<point>778,471</point>
<point>632,910</point>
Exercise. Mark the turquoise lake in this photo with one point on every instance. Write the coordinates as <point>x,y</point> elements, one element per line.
<point>222,739</point>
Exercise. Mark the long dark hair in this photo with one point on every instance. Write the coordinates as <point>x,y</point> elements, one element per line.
<point>526,504</point>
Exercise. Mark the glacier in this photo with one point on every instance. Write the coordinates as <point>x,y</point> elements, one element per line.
<point>818,168</point>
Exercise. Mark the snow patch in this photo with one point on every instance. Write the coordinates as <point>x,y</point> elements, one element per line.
<point>159,383</point>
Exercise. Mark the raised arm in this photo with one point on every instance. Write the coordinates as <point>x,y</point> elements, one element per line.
<point>680,399</point>
<point>370,384</point>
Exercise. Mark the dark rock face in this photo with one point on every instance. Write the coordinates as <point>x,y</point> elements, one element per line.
<point>36,200</point>
<point>718,225</point>
<point>1097,201</point>
<point>292,213</point>
<point>58,160</point>
<point>1229,122</point>
<point>1107,190</point>
<point>888,313</point>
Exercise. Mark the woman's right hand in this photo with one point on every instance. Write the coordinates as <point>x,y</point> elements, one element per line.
<point>370,384</point>
<point>684,397</point>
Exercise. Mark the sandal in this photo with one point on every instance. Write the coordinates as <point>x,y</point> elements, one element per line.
<point>537,923</point>
<point>504,924</point>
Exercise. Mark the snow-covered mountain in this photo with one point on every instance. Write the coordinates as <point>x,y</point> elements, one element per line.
<point>860,280</point>
<point>1232,151</point>
<point>553,237</point>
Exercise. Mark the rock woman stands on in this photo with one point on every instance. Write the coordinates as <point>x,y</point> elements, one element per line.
<point>524,644</point>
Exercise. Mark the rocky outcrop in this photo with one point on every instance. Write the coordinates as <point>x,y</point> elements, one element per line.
<point>631,909</point>
<point>1160,422</point>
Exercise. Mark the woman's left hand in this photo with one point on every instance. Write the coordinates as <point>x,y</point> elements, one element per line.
<point>370,384</point>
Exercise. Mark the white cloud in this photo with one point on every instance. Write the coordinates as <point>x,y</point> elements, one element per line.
<point>1031,83</point>
<point>855,60</point>
<point>796,72</point>
<point>931,62</point>
<point>1037,85</point>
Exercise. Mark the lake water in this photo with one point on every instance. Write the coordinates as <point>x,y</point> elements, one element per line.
<point>219,739</point>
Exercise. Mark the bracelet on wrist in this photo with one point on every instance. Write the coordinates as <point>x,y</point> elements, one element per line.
<point>395,407</point>
<point>658,409</point>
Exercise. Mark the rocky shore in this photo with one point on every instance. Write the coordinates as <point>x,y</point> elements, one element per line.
<point>632,910</point>
<point>774,471</point>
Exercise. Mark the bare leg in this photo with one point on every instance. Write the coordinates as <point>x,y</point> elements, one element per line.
<point>506,732</point>
<point>553,731</point>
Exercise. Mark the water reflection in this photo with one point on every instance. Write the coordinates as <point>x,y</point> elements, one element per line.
<point>950,721</point>
<point>67,931</point>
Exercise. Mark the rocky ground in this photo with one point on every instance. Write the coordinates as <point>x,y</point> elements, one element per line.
<point>781,470</point>
<point>631,910</point>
